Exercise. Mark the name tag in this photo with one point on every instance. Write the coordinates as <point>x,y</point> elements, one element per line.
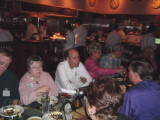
<point>30,85</point>
<point>6,93</point>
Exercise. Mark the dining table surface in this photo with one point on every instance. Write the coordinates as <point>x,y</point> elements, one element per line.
<point>35,109</point>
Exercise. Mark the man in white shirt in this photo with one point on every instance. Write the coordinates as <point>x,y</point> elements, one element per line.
<point>113,38</point>
<point>149,39</point>
<point>80,33</point>
<point>71,73</point>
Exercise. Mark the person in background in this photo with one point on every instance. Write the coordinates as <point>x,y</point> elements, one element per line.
<point>32,30</point>
<point>93,65</point>
<point>104,100</point>
<point>149,39</point>
<point>142,101</point>
<point>80,33</point>
<point>71,74</point>
<point>42,30</point>
<point>5,35</point>
<point>113,38</point>
<point>69,38</point>
<point>8,81</point>
<point>148,53</point>
<point>36,82</point>
<point>112,60</point>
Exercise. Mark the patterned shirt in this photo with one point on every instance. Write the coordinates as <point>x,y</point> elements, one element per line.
<point>110,61</point>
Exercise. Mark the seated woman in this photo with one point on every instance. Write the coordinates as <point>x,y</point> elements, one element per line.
<point>93,66</point>
<point>104,100</point>
<point>113,60</point>
<point>36,82</point>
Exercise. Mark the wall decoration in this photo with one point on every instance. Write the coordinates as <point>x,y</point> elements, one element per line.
<point>155,4</point>
<point>114,4</point>
<point>92,3</point>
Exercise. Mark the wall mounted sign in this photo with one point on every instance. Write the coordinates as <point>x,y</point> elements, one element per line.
<point>92,3</point>
<point>114,4</point>
<point>155,4</point>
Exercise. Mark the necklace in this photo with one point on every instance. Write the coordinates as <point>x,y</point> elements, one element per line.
<point>36,80</point>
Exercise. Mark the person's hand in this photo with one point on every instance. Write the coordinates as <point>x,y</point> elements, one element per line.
<point>84,80</point>
<point>121,70</point>
<point>42,90</point>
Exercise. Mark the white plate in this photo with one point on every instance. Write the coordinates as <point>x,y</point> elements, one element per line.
<point>17,108</point>
<point>38,118</point>
<point>53,100</point>
<point>47,116</point>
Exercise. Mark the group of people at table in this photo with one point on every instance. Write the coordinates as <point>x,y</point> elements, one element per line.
<point>105,99</point>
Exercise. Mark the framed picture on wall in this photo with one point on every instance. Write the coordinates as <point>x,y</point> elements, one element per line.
<point>114,4</point>
<point>155,4</point>
<point>92,3</point>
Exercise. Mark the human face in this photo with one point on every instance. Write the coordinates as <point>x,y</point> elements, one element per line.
<point>35,69</point>
<point>73,59</point>
<point>4,63</point>
<point>96,55</point>
<point>118,53</point>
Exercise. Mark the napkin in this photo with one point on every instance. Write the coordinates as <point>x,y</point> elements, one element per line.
<point>70,92</point>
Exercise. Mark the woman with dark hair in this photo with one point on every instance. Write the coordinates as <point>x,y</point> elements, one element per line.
<point>36,82</point>
<point>104,100</point>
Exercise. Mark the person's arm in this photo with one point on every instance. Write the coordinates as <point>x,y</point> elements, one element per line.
<point>27,95</point>
<point>63,79</point>
<point>93,67</point>
<point>51,83</point>
<point>127,108</point>
<point>85,75</point>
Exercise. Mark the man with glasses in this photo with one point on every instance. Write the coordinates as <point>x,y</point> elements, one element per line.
<point>8,81</point>
<point>142,101</point>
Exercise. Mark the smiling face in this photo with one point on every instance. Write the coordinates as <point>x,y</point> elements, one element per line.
<point>35,69</point>
<point>4,63</point>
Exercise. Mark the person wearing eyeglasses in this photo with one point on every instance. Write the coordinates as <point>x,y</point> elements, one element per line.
<point>8,80</point>
<point>36,82</point>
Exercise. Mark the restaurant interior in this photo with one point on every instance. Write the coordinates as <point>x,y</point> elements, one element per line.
<point>96,15</point>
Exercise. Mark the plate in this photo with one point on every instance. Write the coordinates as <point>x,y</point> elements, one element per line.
<point>119,79</point>
<point>35,118</point>
<point>53,100</point>
<point>47,116</point>
<point>17,108</point>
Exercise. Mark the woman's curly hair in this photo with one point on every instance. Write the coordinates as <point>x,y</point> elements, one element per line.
<point>107,97</point>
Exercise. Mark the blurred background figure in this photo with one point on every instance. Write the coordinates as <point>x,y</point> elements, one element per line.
<point>113,38</point>
<point>80,33</point>
<point>32,30</point>
<point>5,35</point>
<point>149,39</point>
<point>104,100</point>
<point>36,82</point>
<point>69,38</point>
<point>43,29</point>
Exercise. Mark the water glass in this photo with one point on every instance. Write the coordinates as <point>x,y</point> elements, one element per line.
<point>45,104</point>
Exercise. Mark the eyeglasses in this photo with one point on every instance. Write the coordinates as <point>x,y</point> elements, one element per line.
<point>39,67</point>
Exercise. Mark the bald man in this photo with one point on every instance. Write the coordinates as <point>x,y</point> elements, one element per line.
<point>71,74</point>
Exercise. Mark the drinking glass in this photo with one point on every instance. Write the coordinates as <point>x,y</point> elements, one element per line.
<point>45,100</point>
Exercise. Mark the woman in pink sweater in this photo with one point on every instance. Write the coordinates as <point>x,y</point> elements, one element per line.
<point>36,82</point>
<point>93,66</point>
